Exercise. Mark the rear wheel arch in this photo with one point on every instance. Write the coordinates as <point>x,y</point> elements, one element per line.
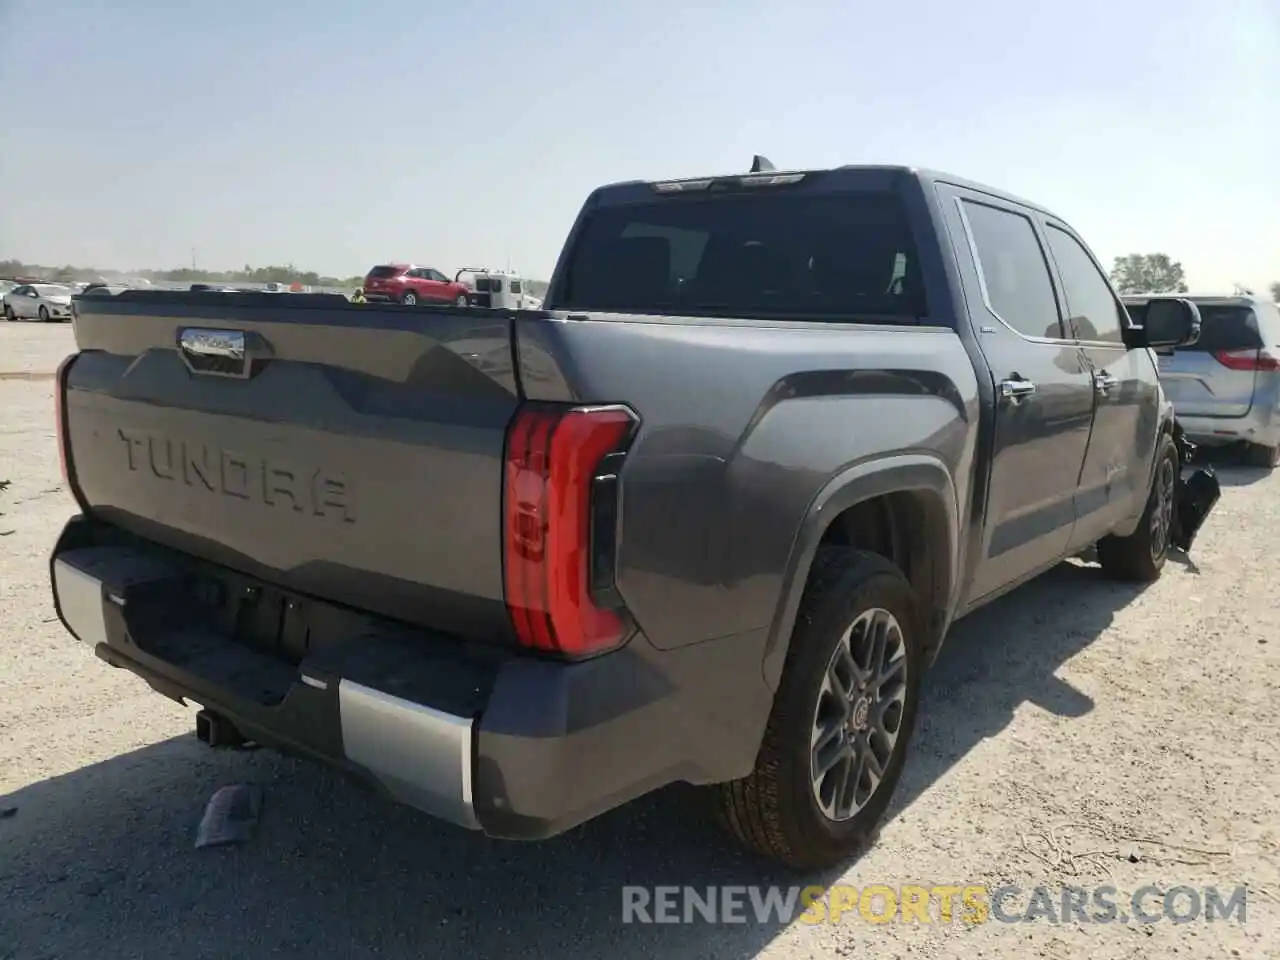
<point>902,507</point>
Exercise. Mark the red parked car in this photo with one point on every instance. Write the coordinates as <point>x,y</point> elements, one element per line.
<point>409,284</point>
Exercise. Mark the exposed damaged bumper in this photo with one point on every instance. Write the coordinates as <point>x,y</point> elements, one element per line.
<point>1195,495</point>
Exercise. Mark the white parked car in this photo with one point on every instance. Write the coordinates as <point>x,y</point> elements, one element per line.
<point>38,301</point>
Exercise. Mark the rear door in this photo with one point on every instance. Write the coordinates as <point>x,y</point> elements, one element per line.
<point>495,288</point>
<point>1215,377</point>
<point>426,286</point>
<point>1044,393</point>
<point>21,302</point>
<point>13,301</point>
<point>417,281</point>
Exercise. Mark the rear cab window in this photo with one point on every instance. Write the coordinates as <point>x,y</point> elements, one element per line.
<point>750,253</point>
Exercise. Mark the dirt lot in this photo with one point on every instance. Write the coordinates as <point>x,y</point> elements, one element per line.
<point>1075,732</point>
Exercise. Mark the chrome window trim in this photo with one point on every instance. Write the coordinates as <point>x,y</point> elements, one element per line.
<point>982,278</point>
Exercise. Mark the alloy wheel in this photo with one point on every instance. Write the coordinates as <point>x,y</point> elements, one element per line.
<point>859,714</point>
<point>1162,511</point>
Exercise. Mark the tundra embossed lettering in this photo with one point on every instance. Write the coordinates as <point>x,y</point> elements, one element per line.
<point>313,491</point>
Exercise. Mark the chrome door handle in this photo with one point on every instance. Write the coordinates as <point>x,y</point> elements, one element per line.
<point>1015,389</point>
<point>1103,381</point>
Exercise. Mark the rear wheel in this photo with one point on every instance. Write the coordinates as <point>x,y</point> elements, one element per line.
<point>1258,455</point>
<point>410,299</point>
<point>1141,556</point>
<point>836,740</point>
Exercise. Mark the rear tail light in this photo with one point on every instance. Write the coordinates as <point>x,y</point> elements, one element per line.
<point>560,518</point>
<point>60,415</point>
<point>1247,359</point>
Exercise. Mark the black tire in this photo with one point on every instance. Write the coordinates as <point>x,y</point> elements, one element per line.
<point>462,301</point>
<point>1257,455</point>
<point>775,809</point>
<point>409,298</point>
<point>44,314</point>
<point>1139,557</point>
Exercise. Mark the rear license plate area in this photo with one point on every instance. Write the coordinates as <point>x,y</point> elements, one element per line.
<point>255,615</point>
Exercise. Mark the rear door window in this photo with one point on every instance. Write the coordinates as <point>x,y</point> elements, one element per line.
<point>1015,273</point>
<point>839,255</point>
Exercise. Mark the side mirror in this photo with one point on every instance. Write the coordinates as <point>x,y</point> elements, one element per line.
<point>1170,322</point>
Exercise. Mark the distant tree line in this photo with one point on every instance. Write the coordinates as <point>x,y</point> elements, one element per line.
<point>1148,273</point>
<point>287,274</point>
<point>1157,273</point>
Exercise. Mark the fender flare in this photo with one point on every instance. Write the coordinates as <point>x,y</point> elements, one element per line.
<point>862,481</point>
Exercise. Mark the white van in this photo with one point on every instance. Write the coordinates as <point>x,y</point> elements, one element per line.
<point>498,289</point>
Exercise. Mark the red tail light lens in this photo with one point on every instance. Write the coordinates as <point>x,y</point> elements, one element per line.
<point>1247,359</point>
<point>552,458</point>
<point>59,415</point>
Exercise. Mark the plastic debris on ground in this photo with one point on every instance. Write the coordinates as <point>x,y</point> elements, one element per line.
<point>231,816</point>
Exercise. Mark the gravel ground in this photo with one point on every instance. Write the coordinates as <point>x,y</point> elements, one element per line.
<point>32,350</point>
<point>1076,731</point>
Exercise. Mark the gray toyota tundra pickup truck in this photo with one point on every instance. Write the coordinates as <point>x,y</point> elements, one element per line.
<point>706,517</point>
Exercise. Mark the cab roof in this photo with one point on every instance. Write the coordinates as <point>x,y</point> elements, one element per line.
<point>923,175</point>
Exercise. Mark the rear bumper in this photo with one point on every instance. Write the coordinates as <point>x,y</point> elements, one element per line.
<point>1259,426</point>
<point>515,747</point>
<point>418,754</point>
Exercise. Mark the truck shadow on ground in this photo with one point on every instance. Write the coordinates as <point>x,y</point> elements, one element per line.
<point>99,863</point>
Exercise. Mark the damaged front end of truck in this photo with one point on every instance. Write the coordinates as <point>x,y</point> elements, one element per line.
<point>1195,494</point>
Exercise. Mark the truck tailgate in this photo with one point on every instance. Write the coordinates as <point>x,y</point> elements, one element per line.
<point>355,453</point>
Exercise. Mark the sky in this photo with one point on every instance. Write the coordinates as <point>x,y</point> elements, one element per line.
<point>144,134</point>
